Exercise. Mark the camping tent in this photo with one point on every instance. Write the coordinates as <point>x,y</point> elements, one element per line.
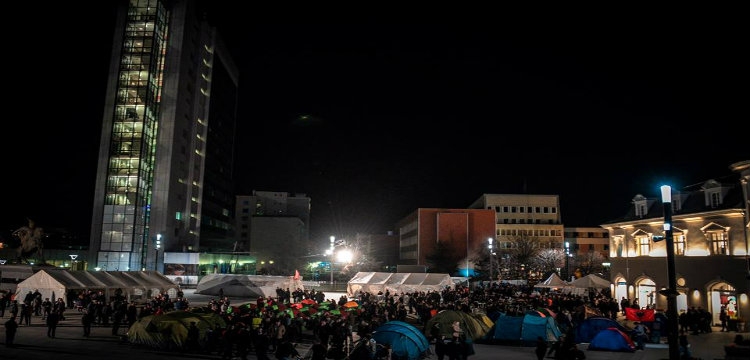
<point>170,329</point>
<point>473,325</point>
<point>524,329</point>
<point>588,328</point>
<point>248,286</point>
<point>374,282</point>
<point>133,285</point>
<point>612,339</point>
<point>553,281</point>
<point>590,281</point>
<point>406,341</point>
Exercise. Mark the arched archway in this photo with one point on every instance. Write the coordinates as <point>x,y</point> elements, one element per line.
<point>645,292</point>
<point>621,288</point>
<point>721,293</point>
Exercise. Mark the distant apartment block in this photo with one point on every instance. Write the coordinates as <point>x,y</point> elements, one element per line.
<point>463,231</point>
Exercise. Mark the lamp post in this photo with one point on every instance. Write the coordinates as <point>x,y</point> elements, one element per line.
<point>156,254</point>
<point>73,265</point>
<point>330,263</point>
<point>490,246</point>
<point>567,261</point>
<point>671,292</point>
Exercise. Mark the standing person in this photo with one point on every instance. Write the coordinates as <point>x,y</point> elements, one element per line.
<point>26,314</point>
<point>262,343</point>
<point>46,308</point>
<point>52,320</point>
<point>193,338</point>
<point>682,340</point>
<point>541,348</point>
<point>86,320</point>
<point>318,351</point>
<point>11,326</point>
<point>723,317</point>
<point>624,304</point>
<point>14,309</point>
<point>640,334</point>
<point>4,302</point>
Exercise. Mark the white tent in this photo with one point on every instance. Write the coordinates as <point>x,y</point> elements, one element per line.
<point>249,286</point>
<point>374,282</point>
<point>66,284</point>
<point>553,281</point>
<point>590,281</point>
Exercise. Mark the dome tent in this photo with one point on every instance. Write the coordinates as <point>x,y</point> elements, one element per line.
<point>252,286</point>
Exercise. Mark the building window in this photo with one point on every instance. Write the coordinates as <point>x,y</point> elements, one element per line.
<point>715,199</point>
<point>679,243</point>
<point>640,203</point>
<point>643,244</point>
<point>718,240</point>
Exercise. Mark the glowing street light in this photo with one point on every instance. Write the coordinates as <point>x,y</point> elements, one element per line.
<point>344,256</point>
<point>490,247</point>
<point>74,262</point>
<point>330,253</point>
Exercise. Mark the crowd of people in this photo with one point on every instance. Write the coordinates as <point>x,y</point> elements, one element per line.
<point>266,329</point>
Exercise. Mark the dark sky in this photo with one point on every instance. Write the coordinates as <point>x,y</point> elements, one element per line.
<point>406,114</point>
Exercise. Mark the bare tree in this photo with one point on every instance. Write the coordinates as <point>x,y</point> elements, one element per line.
<point>518,256</point>
<point>589,263</point>
<point>444,259</point>
<point>549,260</point>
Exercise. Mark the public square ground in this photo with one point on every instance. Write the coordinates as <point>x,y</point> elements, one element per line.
<point>32,343</point>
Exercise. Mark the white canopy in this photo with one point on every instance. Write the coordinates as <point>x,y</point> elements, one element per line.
<point>374,282</point>
<point>553,281</point>
<point>62,283</point>
<point>250,286</point>
<point>590,281</point>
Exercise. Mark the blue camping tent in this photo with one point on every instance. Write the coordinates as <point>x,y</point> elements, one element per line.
<point>612,339</point>
<point>524,329</point>
<point>405,340</point>
<point>586,330</point>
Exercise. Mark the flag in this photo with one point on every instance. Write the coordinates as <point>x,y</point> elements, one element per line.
<point>646,315</point>
<point>296,274</point>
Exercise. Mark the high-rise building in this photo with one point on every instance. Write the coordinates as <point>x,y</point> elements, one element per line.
<point>274,227</point>
<point>164,179</point>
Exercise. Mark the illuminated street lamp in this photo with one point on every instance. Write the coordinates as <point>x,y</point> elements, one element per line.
<point>567,261</point>
<point>330,252</point>
<point>671,292</point>
<point>490,247</point>
<point>74,262</point>
<point>156,255</point>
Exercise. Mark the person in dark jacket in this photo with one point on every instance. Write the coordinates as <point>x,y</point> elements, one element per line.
<point>541,348</point>
<point>11,326</point>
<point>52,320</point>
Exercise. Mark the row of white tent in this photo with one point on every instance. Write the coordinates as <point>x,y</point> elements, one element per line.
<point>57,283</point>
<point>589,281</point>
<point>140,285</point>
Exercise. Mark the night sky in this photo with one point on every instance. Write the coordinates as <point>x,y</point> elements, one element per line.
<point>373,118</point>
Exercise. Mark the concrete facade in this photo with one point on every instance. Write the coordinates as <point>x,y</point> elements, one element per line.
<point>710,232</point>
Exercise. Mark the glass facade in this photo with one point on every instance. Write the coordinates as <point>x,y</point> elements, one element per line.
<point>133,139</point>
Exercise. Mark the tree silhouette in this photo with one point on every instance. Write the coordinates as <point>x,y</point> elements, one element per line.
<point>444,259</point>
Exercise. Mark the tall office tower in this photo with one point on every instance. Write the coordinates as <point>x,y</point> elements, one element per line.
<point>164,179</point>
